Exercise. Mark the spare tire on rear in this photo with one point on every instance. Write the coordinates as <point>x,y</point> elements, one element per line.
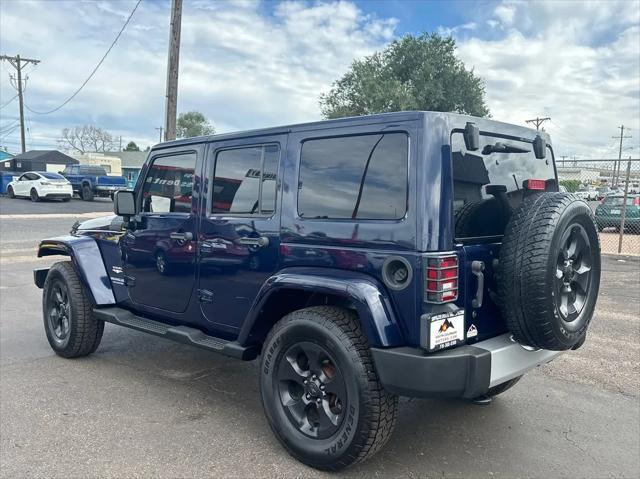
<point>549,271</point>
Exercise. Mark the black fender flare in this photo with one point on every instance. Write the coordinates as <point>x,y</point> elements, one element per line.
<point>87,261</point>
<point>369,296</point>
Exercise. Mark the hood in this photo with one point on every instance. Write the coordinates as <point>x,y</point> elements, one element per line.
<point>110,223</point>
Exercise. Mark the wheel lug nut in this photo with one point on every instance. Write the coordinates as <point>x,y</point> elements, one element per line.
<point>314,377</point>
<point>322,387</point>
<point>308,396</point>
<point>306,381</point>
<point>318,400</point>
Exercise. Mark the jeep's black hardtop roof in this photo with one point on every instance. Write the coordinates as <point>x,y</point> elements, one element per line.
<point>455,120</point>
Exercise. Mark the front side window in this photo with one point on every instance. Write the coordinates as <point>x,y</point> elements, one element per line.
<point>168,187</point>
<point>355,177</point>
<point>245,180</point>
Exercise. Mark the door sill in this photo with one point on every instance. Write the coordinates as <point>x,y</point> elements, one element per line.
<point>180,334</point>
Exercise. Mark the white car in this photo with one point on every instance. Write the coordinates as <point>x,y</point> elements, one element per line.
<point>588,194</point>
<point>39,185</point>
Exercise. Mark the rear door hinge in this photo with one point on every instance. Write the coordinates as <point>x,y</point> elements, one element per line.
<point>205,296</point>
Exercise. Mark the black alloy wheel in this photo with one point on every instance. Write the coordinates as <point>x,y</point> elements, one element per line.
<point>312,390</point>
<point>10,192</point>
<point>58,312</point>
<point>320,390</point>
<point>34,195</point>
<point>573,272</point>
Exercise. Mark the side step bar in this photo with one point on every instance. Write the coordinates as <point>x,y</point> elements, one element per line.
<point>180,334</point>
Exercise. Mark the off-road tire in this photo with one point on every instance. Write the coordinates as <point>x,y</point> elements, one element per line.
<point>528,293</point>
<point>85,332</point>
<point>66,200</point>
<point>33,194</point>
<point>480,218</point>
<point>86,193</point>
<point>10,192</point>
<point>500,388</point>
<point>370,412</point>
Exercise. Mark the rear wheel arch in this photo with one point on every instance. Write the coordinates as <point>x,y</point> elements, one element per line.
<point>283,294</point>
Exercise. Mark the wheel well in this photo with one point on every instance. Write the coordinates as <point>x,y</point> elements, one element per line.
<point>286,301</point>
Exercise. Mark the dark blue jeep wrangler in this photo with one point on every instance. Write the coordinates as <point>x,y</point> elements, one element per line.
<point>416,254</point>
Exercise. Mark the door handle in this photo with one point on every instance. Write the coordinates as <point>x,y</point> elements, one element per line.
<point>187,236</point>
<point>260,242</point>
<point>477,268</point>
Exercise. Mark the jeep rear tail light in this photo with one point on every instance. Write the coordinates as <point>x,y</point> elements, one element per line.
<point>535,185</point>
<point>441,279</point>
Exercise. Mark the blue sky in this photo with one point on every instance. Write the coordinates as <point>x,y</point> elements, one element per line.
<point>248,64</point>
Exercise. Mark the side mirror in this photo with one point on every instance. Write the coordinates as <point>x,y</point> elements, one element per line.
<point>540,147</point>
<point>471,137</point>
<point>124,203</point>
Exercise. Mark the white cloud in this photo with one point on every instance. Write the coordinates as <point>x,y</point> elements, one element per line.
<point>579,66</point>
<point>252,64</point>
<point>241,66</point>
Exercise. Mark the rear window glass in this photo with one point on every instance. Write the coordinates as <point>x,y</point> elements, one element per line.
<point>355,177</point>
<point>498,161</point>
<point>619,200</point>
<point>52,176</point>
<point>93,170</point>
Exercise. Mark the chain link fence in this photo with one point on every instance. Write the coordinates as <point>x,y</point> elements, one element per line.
<point>612,189</point>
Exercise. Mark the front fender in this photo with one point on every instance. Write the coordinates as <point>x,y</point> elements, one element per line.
<point>87,261</point>
<point>366,293</point>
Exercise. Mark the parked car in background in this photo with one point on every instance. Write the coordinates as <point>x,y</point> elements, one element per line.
<point>39,185</point>
<point>89,181</point>
<point>609,213</point>
<point>587,194</point>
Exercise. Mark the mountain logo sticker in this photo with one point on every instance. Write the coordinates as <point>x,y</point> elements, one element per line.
<point>472,332</point>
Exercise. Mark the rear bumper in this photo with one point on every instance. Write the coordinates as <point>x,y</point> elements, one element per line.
<point>465,371</point>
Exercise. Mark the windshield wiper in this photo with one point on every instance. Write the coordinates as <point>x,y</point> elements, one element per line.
<point>502,148</point>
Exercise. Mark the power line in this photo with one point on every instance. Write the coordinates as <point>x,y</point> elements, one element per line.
<point>538,121</point>
<point>18,63</point>
<point>94,70</point>
<point>5,104</point>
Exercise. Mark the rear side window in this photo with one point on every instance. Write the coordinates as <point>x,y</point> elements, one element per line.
<point>93,170</point>
<point>168,187</point>
<point>354,177</point>
<point>245,180</point>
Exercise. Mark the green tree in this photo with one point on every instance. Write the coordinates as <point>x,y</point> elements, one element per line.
<point>412,73</point>
<point>193,123</point>
<point>131,146</point>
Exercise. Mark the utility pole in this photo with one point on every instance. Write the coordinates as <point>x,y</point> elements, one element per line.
<point>616,166</point>
<point>563,157</point>
<point>170,110</point>
<point>17,63</point>
<point>538,121</point>
<point>160,130</point>
<point>120,143</point>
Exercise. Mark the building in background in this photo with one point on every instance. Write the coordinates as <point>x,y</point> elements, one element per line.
<point>37,160</point>
<point>108,161</point>
<point>131,162</point>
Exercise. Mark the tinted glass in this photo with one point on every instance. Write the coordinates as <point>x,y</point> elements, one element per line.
<point>51,176</point>
<point>240,175</point>
<point>362,176</point>
<point>498,161</point>
<point>619,200</point>
<point>93,170</point>
<point>168,187</point>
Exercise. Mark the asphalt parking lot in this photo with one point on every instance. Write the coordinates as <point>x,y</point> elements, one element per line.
<point>143,406</point>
